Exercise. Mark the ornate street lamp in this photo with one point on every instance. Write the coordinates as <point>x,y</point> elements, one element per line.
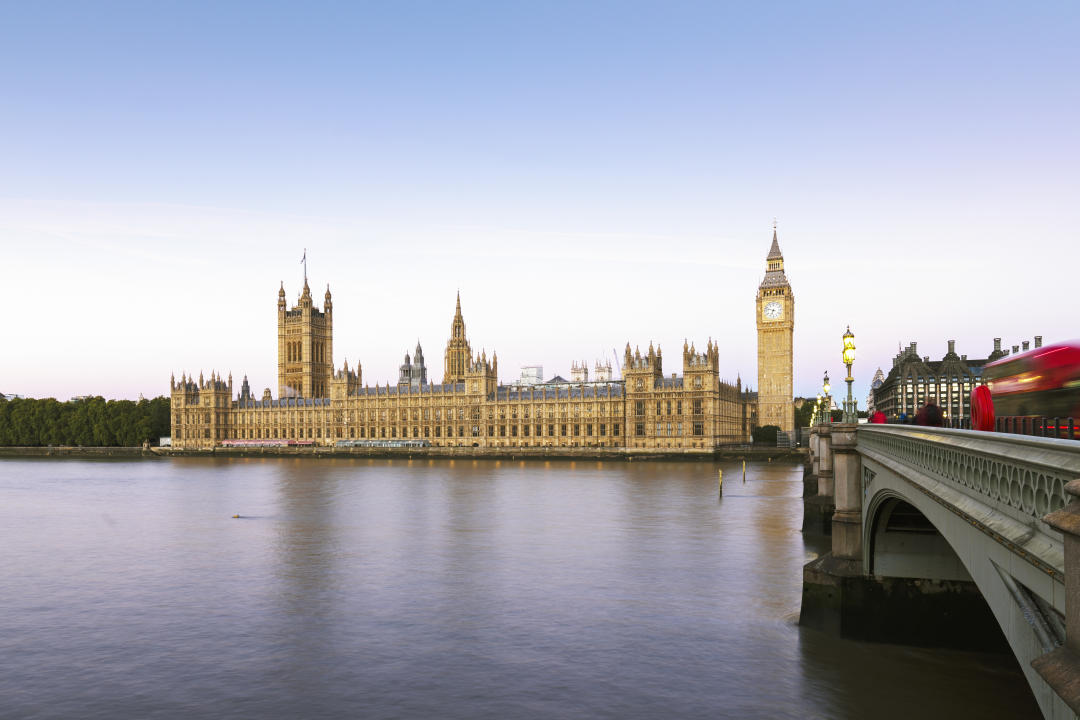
<point>850,413</point>
<point>826,415</point>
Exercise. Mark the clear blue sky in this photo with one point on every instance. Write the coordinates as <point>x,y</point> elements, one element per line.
<point>585,173</point>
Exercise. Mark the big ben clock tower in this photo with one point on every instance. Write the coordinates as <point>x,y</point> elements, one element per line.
<point>775,323</point>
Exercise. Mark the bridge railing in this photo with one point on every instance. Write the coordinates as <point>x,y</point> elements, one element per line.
<point>1025,477</point>
<point>1059,427</point>
<point>1039,426</point>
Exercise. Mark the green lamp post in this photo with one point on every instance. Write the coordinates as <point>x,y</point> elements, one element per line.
<point>850,413</point>
<point>826,415</point>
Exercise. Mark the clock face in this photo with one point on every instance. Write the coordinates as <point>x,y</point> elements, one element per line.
<point>773,310</point>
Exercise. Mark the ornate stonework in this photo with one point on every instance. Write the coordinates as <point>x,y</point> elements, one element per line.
<point>775,306</point>
<point>320,406</point>
<point>305,346</point>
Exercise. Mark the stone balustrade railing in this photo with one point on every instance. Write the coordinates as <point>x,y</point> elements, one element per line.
<point>1024,477</point>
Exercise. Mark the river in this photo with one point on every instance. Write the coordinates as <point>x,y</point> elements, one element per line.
<point>436,589</point>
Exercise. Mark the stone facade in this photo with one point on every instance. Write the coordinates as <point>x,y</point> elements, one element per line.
<point>775,307</point>
<point>913,380</point>
<point>305,345</point>
<point>321,406</point>
<point>458,351</point>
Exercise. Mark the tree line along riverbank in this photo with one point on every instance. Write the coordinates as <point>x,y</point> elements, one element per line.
<point>86,422</point>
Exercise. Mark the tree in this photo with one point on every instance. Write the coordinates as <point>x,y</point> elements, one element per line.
<point>94,421</point>
<point>765,434</point>
<point>804,412</point>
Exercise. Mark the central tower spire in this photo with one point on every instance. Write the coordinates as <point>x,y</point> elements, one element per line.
<point>775,258</point>
<point>458,351</point>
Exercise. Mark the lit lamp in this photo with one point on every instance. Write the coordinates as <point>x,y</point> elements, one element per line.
<point>826,416</point>
<point>850,413</point>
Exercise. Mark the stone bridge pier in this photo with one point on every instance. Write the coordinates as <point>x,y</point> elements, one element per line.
<point>818,505</point>
<point>951,538</point>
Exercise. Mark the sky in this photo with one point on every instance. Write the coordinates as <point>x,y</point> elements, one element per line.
<point>587,174</point>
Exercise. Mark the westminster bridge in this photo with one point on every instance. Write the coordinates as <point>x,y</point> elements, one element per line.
<point>938,534</point>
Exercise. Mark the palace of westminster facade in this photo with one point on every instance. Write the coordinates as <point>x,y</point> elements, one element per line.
<point>321,405</point>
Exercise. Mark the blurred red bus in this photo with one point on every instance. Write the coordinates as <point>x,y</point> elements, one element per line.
<point>1043,383</point>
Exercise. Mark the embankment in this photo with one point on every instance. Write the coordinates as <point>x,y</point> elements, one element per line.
<point>620,454</point>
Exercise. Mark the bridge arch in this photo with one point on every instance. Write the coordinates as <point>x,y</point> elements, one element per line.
<point>901,541</point>
<point>925,592</point>
<point>927,514</point>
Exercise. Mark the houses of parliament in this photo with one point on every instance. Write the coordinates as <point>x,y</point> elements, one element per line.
<point>319,404</point>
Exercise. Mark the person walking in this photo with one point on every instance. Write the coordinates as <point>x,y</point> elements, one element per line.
<point>929,415</point>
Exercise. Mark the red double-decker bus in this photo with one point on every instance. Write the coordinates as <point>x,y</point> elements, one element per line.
<point>1043,383</point>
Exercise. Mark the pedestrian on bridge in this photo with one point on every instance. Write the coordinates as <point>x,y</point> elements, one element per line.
<point>930,415</point>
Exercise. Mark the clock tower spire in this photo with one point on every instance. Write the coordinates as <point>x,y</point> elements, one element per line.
<point>775,306</point>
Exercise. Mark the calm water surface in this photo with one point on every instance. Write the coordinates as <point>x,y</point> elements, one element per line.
<point>442,589</point>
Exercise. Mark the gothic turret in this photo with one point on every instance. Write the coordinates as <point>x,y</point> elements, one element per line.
<point>305,346</point>
<point>412,373</point>
<point>305,296</point>
<point>458,351</point>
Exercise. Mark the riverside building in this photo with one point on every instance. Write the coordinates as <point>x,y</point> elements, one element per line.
<point>913,381</point>
<point>646,409</point>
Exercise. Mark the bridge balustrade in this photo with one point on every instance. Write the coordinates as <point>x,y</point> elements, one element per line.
<point>1059,427</point>
<point>1037,426</point>
<point>1022,476</point>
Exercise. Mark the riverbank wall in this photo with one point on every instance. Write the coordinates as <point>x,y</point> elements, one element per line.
<point>765,454</point>
<point>73,451</point>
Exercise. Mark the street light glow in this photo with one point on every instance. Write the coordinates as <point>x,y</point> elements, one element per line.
<point>849,347</point>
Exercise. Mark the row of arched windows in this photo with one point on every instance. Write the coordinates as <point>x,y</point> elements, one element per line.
<point>294,351</point>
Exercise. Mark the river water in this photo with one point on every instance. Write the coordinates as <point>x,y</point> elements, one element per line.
<point>436,589</point>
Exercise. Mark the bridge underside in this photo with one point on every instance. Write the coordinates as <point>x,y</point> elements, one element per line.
<point>897,604</point>
<point>921,532</point>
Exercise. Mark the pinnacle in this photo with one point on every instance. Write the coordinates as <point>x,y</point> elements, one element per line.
<point>774,251</point>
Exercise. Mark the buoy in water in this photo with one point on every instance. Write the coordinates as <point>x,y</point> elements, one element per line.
<point>236,515</point>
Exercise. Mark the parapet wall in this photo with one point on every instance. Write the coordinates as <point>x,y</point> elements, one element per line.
<point>628,455</point>
<point>75,451</point>
<point>548,453</point>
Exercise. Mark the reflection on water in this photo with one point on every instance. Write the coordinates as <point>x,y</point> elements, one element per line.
<point>461,589</point>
